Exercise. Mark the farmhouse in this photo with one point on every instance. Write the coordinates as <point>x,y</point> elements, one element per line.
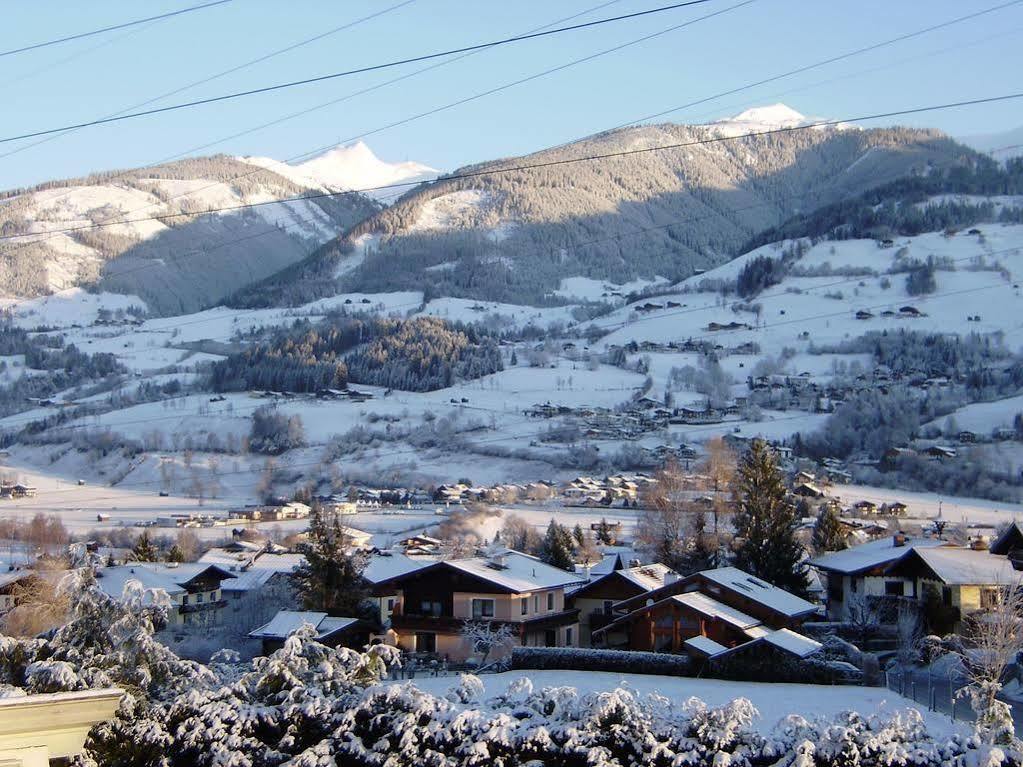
<point>194,589</point>
<point>331,631</point>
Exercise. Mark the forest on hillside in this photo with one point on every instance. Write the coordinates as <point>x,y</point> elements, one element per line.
<point>421,354</point>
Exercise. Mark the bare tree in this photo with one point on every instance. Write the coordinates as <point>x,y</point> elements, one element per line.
<point>865,616</point>
<point>909,633</point>
<point>994,639</point>
<point>486,636</point>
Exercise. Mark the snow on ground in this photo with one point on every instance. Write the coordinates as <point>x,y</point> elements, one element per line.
<point>973,511</point>
<point>448,210</point>
<point>983,417</point>
<point>589,289</point>
<point>467,310</point>
<point>773,701</point>
<point>73,306</point>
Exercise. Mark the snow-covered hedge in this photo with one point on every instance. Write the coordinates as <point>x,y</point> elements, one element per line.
<point>308,705</point>
<point>584,659</point>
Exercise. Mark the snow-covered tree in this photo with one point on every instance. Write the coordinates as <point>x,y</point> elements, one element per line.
<point>486,636</point>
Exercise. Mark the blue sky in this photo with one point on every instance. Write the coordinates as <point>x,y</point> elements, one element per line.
<point>97,76</point>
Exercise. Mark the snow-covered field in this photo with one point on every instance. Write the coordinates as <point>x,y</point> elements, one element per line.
<point>773,701</point>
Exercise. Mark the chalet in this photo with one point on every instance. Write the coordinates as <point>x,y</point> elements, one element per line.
<point>966,437</point>
<point>716,326</point>
<point>865,507</point>
<point>952,582</point>
<point>807,490</point>
<point>194,589</point>
<point>434,603</point>
<point>331,631</point>
<point>910,311</point>
<point>861,572</point>
<point>896,509</point>
<point>726,606</point>
<point>941,452</point>
<point>595,600</point>
<point>863,314</point>
<point>886,243</point>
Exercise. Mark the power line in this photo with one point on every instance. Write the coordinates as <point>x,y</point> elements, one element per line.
<point>80,35</point>
<point>823,62</point>
<point>716,139</point>
<point>359,70</point>
<point>223,73</point>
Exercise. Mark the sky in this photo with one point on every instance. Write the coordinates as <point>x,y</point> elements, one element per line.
<point>102,75</point>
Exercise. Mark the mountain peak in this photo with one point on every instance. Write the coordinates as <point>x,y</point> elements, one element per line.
<point>775,114</point>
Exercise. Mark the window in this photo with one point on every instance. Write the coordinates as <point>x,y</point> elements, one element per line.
<point>550,600</point>
<point>426,641</point>
<point>550,638</point>
<point>525,605</point>
<point>835,588</point>
<point>568,637</point>
<point>946,596</point>
<point>988,598</point>
<point>608,606</point>
<point>198,598</point>
<point>430,608</point>
<point>184,599</point>
<point>894,588</point>
<point>390,604</point>
<point>536,603</point>
<point>854,585</point>
<point>483,608</point>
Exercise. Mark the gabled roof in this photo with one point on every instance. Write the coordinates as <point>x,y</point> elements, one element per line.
<point>711,608</point>
<point>960,566</point>
<point>647,577</point>
<point>381,568</point>
<point>172,578</point>
<point>517,573</point>
<point>1010,539</point>
<point>763,593</point>
<point>793,642</point>
<point>286,622</point>
<point>705,646</point>
<point>867,556</point>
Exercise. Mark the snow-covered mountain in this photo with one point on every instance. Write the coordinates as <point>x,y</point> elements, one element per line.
<point>511,236</point>
<point>150,240</point>
<point>350,167</point>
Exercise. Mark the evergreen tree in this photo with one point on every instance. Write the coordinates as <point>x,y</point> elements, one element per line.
<point>144,550</point>
<point>514,359</point>
<point>558,547</point>
<point>828,534</point>
<point>330,579</point>
<point>605,535</point>
<point>765,523</point>
<point>175,554</point>
<point>578,535</point>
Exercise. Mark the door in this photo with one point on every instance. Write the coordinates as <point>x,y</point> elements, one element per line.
<point>426,641</point>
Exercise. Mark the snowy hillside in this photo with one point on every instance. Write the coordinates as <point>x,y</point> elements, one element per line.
<point>140,232</point>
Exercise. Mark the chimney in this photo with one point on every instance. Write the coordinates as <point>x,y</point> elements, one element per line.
<point>979,543</point>
<point>670,577</point>
<point>899,539</point>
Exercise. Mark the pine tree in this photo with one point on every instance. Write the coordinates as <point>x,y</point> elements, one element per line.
<point>605,535</point>
<point>330,579</point>
<point>558,547</point>
<point>175,554</point>
<point>577,533</point>
<point>828,534</point>
<point>514,359</point>
<point>765,523</point>
<point>144,550</point>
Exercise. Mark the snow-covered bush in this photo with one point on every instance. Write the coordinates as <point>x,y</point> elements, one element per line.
<point>308,705</point>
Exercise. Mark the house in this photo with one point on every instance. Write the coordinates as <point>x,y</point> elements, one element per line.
<point>941,451</point>
<point>331,631</point>
<point>952,582</point>
<point>508,587</point>
<point>38,730</point>
<point>726,606</point>
<point>379,571</point>
<point>865,507</point>
<point>1010,544</point>
<point>194,589</point>
<point>808,490</point>
<point>596,599</point>
<point>861,572</point>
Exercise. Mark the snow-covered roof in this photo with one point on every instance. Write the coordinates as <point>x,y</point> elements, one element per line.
<point>960,566</point>
<point>712,608</point>
<point>286,622</point>
<point>517,572</point>
<point>6,579</point>
<point>759,591</point>
<point>705,645</point>
<point>380,568</point>
<point>872,554</point>
<point>607,564</point>
<point>113,579</point>
<point>793,642</point>
<point>757,632</point>
<point>248,580</point>
<point>647,577</point>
